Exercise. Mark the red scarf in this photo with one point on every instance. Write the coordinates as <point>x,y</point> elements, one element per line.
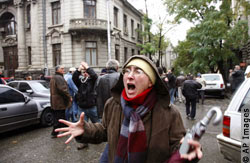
<point>137,100</point>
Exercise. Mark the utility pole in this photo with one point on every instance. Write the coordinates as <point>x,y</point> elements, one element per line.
<point>108,31</point>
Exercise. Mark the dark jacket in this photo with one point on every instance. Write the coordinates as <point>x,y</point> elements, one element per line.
<point>164,126</point>
<point>86,96</point>
<point>59,94</point>
<point>103,88</point>
<point>171,80</point>
<point>238,78</point>
<point>190,89</point>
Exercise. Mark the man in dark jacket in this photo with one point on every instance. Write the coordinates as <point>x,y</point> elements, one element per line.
<point>86,95</point>
<point>105,83</point>
<point>171,84</point>
<point>138,121</point>
<point>238,77</point>
<point>190,91</point>
<point>60,98</point>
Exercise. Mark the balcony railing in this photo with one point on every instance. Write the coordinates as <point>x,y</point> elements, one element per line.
<point>89,24</point>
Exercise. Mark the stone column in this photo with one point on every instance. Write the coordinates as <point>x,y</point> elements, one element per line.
<point>36,51</point>
<point>22,55</point>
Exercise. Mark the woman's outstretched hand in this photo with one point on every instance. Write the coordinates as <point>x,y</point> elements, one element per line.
<point>196,152</point>
<point>73,129</point>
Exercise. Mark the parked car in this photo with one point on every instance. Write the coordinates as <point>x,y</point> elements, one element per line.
<point>32,88</point>
<point>229,140</point>
<point>18,110</point>
<point>214,84</point>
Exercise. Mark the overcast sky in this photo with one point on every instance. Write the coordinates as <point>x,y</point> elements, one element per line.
<point>157,10</point>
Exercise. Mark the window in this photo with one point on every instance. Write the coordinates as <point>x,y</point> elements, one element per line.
<point>23,87</point>
<point>125,25</point>
<point>8,95</point>
<point>56,12</point>
<point>89,8</point>
<point>132,28</point>
<point>138,31</point>
<point>133,52</point>
<point>139,52</point>
<point>117,52</point>
<point>28,14</point>
<point>91,53</point>
<point>125,54</point>
<point>29,56</point>
<point>115,17</point>
<point>13,85</point>
<point>56,48</point>
<point>8,24</point>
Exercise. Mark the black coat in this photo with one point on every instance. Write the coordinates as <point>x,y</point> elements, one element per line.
<point>238,78</point>
<point>86,95</point>
<point>190,89</point>
<point>103,89</point>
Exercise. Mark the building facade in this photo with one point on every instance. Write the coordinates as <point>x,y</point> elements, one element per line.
<point>245,51</point>
<point>37,35</point>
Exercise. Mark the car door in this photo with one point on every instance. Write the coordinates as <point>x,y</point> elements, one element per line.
<point>15,111</point>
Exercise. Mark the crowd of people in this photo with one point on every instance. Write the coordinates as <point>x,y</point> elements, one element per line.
<point>132,110</point>
<point>139,121</point>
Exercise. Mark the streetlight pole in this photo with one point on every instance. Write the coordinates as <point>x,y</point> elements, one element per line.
<point>108,31</point>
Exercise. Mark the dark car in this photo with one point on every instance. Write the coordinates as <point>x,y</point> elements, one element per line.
<point>18,110</point>
<point>32,88</point>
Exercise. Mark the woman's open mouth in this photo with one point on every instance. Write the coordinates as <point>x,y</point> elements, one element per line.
<point>131,86</point>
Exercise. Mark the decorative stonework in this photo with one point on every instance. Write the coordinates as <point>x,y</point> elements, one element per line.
<point>18,3</point>
<point>34,1</point>
<point>10,41</point>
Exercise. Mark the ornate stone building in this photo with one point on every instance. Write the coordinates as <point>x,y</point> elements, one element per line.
<point>36,35</point>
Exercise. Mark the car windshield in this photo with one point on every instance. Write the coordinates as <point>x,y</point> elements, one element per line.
<point>40,86</point>
<point>211,77</point>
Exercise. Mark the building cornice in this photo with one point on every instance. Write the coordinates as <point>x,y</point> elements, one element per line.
<point>131,7</point>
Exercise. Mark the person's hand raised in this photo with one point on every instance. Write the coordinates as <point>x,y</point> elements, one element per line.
<point>73,129</point>
<point>85,65</point>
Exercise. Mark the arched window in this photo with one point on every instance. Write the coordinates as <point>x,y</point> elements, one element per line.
<point>8,23</point>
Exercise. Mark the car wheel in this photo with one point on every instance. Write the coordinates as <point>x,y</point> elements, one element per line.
<point>47,117</point>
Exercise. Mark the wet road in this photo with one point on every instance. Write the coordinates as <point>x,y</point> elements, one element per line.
<point>34,145</point>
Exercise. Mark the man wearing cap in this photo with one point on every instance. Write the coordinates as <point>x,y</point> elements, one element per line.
<point>71,112</point>
<point>138,122</point>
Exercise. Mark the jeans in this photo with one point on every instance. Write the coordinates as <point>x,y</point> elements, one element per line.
<point>104,156</point>
<point>193,105</point>
<point>171,93</point>
<point>90,113</point>
<point>71,113</point>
